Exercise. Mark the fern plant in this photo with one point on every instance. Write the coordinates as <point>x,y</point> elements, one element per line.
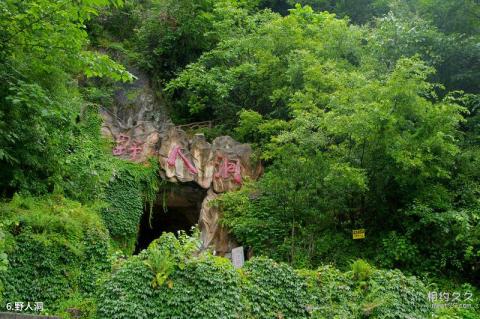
<point>162,265</point>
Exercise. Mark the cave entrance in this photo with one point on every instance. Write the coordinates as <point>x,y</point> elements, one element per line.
<point>177,208</point>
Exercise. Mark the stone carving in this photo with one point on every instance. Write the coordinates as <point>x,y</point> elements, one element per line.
<point>226,168</point>
<point>140,128</point>
<point>177,170</point>
<point>232,164</point>
<point>172,157</point>
<point>223,165</point>
<point>238,257</point>
<point>127,149</point>
<point>122,142</point>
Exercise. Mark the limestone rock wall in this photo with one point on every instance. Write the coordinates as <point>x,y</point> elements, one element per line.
<point>140,129</point>
<point>223,165</point>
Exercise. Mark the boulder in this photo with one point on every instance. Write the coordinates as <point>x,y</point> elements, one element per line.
<point>232,164</point>
<point>223,165</point>
<point>202,156</point>
<point>175,157</point>
<point>212,234</point>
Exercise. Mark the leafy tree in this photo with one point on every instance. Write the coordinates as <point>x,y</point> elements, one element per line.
<point>461,17</point>
<point>364,130</point>
<point>42,51</point>
<point>175,33</point>
<point>376,147</point>
<point>257,71</point>
<point>400,34</point>
<point>282,216</point>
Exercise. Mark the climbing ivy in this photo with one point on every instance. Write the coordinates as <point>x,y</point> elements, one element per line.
<point>195,287</point>
<point>125,207</point>
<point>131,188</point>
<point>268,289</point>
<point>56,248</point>
<point>203,286</point>
<point>365,292</point>
<point>330,293</point>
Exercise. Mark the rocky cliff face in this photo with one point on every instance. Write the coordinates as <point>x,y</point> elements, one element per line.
<point>141,129</point>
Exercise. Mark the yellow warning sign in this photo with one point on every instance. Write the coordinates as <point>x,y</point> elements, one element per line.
<point>358,233</point>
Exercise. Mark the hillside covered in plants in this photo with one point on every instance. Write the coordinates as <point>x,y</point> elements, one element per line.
<point>337,143</point>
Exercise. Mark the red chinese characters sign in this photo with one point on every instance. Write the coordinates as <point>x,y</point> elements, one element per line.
<point>228,168</point>
<point>123,147</point>
<point>172,157</point>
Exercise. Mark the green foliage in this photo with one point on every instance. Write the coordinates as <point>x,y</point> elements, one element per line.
<point>395,36</point>
<point>403,34</point>
<point>253,128</point>
<point>256,71</point>
<point>125,207</point>
<point>128,293</point>
<point>365,292</point>
<point>361,270</point>
<point>175,33</point>
<point>41,52</point>
<point>131,189</point>
<point>311,201</point>
<point>167,253</point>
<point>86,307</point>
<point>199,287</point>
<point>272,290</point>
<point>449,15</point>
<point>360,154</point>
<point>56,248</point>
<point>456,313</point>
<point>452,240</point>
<point>332,294</point>
<point>208,287</point>
<point>397,251</point>
<point>3,260</point>
<point>358,11</point>
<point>248,126</point>
<point>41,132</point>
<point>391,294</point>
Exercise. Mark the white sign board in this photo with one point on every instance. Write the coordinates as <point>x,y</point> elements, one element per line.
<point>238,258</point>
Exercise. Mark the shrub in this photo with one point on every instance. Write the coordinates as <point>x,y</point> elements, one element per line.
<point>362,271</point>
<point>391,294</point>
<point>365,292</point>
<point>397,251</point>
<point>131,188</point>
<point>273,290</point>
<point>197,287</point>
<point>56,248</point>
<point>205,286</point>
<point>332,293</point>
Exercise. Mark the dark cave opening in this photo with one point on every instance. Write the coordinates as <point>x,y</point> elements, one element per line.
<point>176,209</point>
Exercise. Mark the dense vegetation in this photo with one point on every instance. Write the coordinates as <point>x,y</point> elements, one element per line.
<point>364,112</point>
<point>208,287</point>
<point>56,250</point>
